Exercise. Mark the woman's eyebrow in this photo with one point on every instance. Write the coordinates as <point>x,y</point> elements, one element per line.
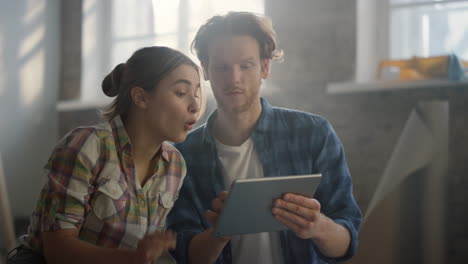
<point>184,81</point>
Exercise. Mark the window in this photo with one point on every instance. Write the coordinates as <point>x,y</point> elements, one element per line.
<point>112,30</point>
<point>399,29</point>
<point>428,28</point>
<point>179,30</point>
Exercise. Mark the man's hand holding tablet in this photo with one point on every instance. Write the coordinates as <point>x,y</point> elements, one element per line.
<point>265,205</point>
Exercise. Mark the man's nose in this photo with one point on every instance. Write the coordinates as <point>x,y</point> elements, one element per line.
<point>235,75</point>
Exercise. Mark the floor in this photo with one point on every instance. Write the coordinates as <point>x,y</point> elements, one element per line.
<point>21,226</point>
<point>2,257</point>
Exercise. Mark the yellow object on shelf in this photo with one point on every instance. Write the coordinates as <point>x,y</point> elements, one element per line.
<point>464,63</point>
<point>424,68</point>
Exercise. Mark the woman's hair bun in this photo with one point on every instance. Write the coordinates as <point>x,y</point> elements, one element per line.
<point>111,84</point>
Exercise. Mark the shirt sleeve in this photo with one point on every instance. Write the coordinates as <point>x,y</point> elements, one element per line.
<point>63,201</point>
<point>185,220</point>
<point>335,192</point>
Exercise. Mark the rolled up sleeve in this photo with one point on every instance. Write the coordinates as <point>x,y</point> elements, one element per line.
<point>335,191</point>
<point>185,220</point>
<point>64,200</point>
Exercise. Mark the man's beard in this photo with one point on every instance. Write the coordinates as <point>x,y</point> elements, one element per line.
<point>245,107</point>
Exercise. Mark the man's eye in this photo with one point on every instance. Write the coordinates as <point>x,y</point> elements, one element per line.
<point>221,68</point>
<point>246,66</point>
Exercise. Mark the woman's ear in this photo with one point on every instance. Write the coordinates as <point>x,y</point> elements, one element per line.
<point>139,97</point>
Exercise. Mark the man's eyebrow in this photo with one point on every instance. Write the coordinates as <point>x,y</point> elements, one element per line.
<point>220,61</point>
<point>249,59</point>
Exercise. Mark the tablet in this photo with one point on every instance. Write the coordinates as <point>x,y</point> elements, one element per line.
<point>247,208</point>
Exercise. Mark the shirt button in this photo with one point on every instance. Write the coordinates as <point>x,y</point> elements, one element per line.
<point>142,202</point>
<point>141,199</point>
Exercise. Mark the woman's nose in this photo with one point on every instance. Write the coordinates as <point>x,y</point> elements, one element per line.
<point>194,106</point>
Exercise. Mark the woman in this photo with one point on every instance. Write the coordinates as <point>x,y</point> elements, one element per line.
<point>111,186</point>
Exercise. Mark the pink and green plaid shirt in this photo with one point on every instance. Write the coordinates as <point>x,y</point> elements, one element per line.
<point>91,185</point>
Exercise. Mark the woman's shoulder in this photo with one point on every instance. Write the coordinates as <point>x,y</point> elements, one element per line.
<point>172,153</point>
<point>177,168</point>
<point>86,137</point>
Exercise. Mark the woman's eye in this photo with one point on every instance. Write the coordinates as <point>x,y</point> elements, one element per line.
<point>180,94</point>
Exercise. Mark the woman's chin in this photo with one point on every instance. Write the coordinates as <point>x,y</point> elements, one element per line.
<point>180,138</point>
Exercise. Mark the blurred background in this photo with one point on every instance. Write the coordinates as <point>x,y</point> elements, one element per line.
<point>406,138</point>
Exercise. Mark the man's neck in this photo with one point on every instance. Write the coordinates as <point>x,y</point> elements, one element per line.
<point>232,128</point>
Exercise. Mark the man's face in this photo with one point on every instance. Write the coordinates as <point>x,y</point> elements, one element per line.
<point>235,72</point>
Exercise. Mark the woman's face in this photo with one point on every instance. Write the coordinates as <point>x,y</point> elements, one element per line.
<point>173,106</point>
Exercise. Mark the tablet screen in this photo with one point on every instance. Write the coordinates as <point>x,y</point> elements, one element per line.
<point>247,208</point>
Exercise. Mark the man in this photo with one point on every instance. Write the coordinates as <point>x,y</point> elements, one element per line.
<point>247,138</point>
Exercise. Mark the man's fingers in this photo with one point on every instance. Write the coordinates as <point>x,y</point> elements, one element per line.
<point>300,205</point>
<point>302,201</point>
<point>297,229</point>
<point>217,205</point>
<point>307,213</point>
<point>291,224</point>
<point>292,217</point>
<point>212,217</point>
<point>223,195</point>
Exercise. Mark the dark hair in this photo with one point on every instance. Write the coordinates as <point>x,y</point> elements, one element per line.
<point>145,69</point>
<point>237,23</point>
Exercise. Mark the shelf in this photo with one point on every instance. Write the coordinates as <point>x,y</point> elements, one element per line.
<point>381,86</point>
<point>77,105</point>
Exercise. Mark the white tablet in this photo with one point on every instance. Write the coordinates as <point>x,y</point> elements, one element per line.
<point>247,208</point>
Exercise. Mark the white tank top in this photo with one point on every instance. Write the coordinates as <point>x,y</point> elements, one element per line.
<point>241,162</point>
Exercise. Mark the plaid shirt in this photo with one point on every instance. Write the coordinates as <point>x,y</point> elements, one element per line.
<point>287,142</point>
<point>92,185</point>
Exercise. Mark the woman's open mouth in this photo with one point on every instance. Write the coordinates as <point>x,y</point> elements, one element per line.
<point>189,125</point>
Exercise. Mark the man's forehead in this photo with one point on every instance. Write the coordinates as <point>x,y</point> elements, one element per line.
<point>234,48</point>
<point>234,59</point>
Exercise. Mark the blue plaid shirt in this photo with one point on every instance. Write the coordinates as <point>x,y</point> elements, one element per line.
<point>288,142</point>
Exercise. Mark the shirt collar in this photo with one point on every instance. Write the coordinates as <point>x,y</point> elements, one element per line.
<point>123,141</point>
<point>264,122</point>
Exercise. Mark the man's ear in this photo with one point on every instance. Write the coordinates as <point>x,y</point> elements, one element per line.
<point>265,68</point>
<point>139,97</point>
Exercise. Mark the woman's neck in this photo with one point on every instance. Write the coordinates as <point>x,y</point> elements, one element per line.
<point>144,143</point>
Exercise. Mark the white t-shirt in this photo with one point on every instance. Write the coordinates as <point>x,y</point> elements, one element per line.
<point>241,162</point>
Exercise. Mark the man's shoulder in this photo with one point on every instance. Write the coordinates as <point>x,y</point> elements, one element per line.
<point>297,118</point>
<point>193,140</point>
